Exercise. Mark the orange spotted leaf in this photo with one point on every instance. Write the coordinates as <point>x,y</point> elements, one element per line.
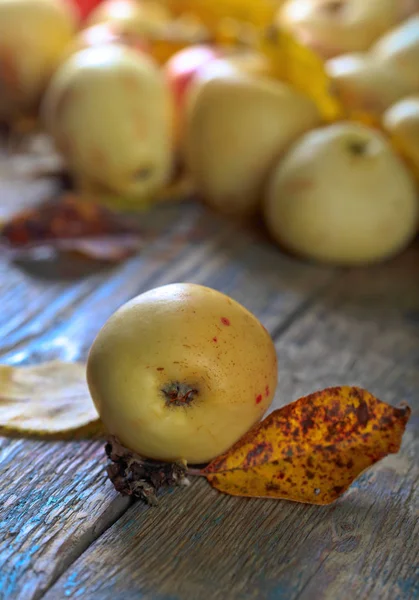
<point>313,449</point>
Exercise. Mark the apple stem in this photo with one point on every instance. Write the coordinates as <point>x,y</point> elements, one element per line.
<point>195,472</point>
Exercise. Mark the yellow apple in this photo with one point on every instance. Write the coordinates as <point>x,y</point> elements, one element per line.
<point>110,112</point>
<point>333,27</point>
<point>181,373</point>
<point>250,62</point>
<point>341,195</point>
<point>401,121</point>
<point>235,128</point>
<point>33,37</point>
<point>104,34</point>
<point>135,17</point>
<point>407,8</point>
<point>363,84</point>
<point>399,50</point>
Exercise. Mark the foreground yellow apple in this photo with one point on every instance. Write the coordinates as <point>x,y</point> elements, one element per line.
<point>33,38</point>
<point>364,84</point>
<point>341,195</point>
<point>181,373</point>
<point>401,121</point>
<point>333,27</point>
<point>109,111</point>
<point>235,127</point>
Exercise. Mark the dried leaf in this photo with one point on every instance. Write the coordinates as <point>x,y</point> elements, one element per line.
<point>311,450</point>
<point>74,225</point>
<point>132,475</point>
<point>298,65</point>
<point>45,399</point>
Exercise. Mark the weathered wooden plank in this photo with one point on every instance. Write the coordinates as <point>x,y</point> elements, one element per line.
<point>54,497</point>
<point>199,543</point>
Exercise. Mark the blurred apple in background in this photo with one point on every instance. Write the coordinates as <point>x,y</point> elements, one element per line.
<point>109,111</point>
<point>363,84</point>
<point>85,7</point>
<point>105,33</point>
<point>196,64</point>
<point>136,17</point>
<point>401,122</point>
<point>235,127</point>
<point>33,37</point>
<point>342,195</point>
<point>333,27</point>
<point>399,49</point>
<point>180,71</point>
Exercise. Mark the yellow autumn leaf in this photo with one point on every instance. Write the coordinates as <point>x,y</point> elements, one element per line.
<point>211,12</point>
<point>49,398</point>
<point>299,66</point>
<point>313,449</point>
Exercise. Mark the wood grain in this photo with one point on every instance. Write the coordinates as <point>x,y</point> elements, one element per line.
<point>54,497</point>
<point>198,543</point>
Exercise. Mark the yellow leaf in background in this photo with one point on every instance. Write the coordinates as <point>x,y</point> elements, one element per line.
<point>311,450</point>
<point>258,12</point>
<point>301,67</point>
<point>49,398</point>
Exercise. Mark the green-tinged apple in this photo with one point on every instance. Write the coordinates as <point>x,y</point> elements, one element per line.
<point>33,37</point>
<point>235,128</point>
<point>399,49</point>
<point>401,122</point>
<point>341,195</point>
<point>333,27</point>
<point>181,373</point>
<point>364,84</point>
<point>135,17</point>
<point>109,111</point>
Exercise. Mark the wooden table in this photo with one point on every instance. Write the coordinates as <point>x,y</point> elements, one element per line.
<point>66,533</point>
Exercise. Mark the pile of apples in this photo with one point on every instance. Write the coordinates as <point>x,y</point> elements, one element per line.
<point>130,89</point>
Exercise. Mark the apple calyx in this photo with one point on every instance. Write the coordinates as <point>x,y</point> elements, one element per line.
<point>132,475</point>
<point>179,394</point>
<point>334,6</point>
<point>358,147</point>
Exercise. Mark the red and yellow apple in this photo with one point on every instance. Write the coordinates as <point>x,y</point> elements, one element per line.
<point>181,70</point>
<point>341,195</point>
<point>181,373</point>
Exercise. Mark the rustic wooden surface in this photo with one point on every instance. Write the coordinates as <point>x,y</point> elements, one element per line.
<point>65,533</point>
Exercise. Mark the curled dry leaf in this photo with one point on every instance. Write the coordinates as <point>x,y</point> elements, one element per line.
<point>311,450</point>
<point>72,224</point>
<point>135,476</point>
<point>49,398</point>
